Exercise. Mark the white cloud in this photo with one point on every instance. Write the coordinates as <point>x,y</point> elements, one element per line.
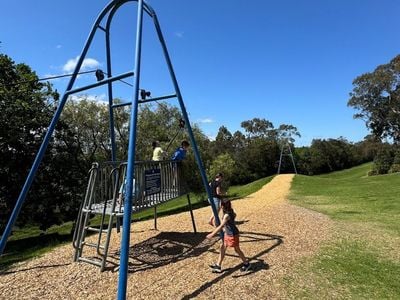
<point>179,34</point>
<point>88,63</point>
<point>205,121</point>
<point>98,98</point>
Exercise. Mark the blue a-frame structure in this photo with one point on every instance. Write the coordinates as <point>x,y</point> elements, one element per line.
<point>105,17</point>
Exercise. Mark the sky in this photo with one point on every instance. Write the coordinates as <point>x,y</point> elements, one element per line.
<point>289,62</point>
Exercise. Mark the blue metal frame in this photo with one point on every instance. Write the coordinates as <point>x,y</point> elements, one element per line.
<point>124,258</point>
<point>111,9</point>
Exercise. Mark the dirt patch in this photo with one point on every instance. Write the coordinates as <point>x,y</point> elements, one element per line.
<point>172,263</point>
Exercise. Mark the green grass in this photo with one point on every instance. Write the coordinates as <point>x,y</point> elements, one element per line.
<point>361,270</point>
<point>357,264</point>
<point>347,269</point>
<point>353,196</point>
<point>30,241</point>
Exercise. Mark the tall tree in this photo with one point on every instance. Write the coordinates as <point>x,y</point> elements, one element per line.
<point>27,106</point>
<point>224,164</point>
<point>238,141</point>
<point>377,97</point>
<point>88,121</point>
<point>257,127</point>
<point>223,141</point>
<point>287,133</point>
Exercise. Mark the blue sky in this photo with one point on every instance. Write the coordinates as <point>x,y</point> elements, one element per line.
<point>290,62</point>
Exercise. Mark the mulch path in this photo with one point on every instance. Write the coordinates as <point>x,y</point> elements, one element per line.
<point>172,263</point>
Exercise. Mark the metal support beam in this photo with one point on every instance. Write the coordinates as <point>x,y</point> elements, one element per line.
<point>126,228</point>
<point>283,146</point>
<point>191,213</point>
<point>186,119</point>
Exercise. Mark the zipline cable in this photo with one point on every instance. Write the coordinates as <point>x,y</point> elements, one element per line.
<point>51,77</point>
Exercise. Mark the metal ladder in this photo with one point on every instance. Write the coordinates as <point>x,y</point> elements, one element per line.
<point>100,199</point>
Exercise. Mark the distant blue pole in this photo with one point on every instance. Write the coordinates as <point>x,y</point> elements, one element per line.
<point>46,140</point>
<point>123,269</point>
<point>186,118</point>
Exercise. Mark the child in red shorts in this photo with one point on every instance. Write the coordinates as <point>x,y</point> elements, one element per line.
<point>231,238</point>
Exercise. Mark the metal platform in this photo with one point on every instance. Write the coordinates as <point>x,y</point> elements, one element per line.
<point>149,202</point>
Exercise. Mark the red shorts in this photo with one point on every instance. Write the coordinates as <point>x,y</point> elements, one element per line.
<point>231,240</point>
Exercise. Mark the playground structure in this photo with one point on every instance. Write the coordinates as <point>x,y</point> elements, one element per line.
<point>135,197</point>
<point>286,151</point>
<point>155,182</point>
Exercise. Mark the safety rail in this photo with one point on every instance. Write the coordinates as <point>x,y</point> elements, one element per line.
<point>155,182</point>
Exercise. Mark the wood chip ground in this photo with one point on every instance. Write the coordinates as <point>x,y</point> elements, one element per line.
<point>173,262</point>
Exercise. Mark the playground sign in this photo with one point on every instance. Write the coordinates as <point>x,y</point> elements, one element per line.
<point>152,181</point>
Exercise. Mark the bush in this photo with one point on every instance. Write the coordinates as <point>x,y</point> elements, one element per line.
<point>396,163</point>
<point>224,164</point>
<point>395,168</point>
<point>383,160</point>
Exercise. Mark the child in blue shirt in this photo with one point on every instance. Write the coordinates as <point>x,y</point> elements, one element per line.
<point>180,153</point>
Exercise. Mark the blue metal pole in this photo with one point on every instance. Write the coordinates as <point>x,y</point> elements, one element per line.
<point>104,81</point>
<point>46,140</point>
<point>110,98</point>
<point>110,87</point>
<point>186,118</point>
<point>123,270</point>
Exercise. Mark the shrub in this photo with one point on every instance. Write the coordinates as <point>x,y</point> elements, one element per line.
<point>396,163</point>
<point>383,160</point>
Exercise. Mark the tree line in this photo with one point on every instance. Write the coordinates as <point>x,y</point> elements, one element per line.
<point>82,137</point>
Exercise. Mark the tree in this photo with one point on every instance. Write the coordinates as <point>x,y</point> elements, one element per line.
<point>223,142</point>
<point>368,148</point>
<point>27,106</point>
<point>24,115</point>
<point>238,141</point>
<point>89,125</point>
<point>286,133</point>
<point>224,164</point>
<point>395,167</point>
<point>377,97</point>
<point>258,128</point>
<point>158,123</point>
<point>326,156</point>
<point>383,160</point>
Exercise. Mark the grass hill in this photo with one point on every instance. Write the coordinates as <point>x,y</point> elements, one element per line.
<point>352,195</point>
<point>362,260</point>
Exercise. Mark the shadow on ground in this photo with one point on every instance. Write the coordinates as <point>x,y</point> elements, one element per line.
<point>257,263</point>
<point>166,248</point>
<point>6,272</point>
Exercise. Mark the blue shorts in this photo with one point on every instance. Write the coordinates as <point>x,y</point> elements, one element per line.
<point>217,202</point>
